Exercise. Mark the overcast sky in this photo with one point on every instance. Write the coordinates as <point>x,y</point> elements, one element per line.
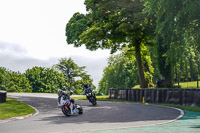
<point>32,33</point>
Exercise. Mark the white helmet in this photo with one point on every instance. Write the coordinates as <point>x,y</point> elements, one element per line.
<point>64,88</point>
<point>59,92</point>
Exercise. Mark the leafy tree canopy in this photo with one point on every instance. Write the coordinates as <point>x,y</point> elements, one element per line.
<point>112,24</point>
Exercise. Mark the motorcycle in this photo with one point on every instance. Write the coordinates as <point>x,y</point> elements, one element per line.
<point>67,104</point>
<point>91,96</point>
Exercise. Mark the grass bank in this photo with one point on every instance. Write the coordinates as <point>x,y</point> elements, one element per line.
<point>13,108</point>
<point>106,98</point>
<point>189,85</point>
<point>183,85</point>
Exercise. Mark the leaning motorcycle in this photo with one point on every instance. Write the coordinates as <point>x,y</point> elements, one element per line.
<point>67,104</point>
<point>91,96</point>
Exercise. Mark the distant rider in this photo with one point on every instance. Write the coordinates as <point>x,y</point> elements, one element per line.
<point>86,87</point>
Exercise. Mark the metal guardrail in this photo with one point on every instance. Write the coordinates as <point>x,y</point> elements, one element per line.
<point>3,95</point>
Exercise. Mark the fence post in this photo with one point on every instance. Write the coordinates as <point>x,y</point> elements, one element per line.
<point>3,95</point>
<point>141,94</point>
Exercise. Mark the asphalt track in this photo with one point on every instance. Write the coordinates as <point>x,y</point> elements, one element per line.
<point>103,116</point>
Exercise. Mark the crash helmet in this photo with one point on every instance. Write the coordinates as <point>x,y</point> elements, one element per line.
<point>59,92</point>
<point>85,85</point>
<point>64,88</point>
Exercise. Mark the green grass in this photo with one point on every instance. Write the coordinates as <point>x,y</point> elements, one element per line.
<point>106,98</point>
<point>13,108</point>
<point>189,85</point>
<point>136,87</point>
<point>184,85</point>
<point>189,108</point>
<point>99,98</point>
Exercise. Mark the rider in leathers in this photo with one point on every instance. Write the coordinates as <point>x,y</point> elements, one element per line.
<point>85,88</point>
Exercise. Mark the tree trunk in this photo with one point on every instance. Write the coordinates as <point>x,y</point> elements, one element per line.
<point>165,69</point>
<point>198,75</point>
<point>181,69</point>
<point>191,70</point>
<point>175,75</point>
<point>186,71</point>
<point>168,77</point>
<point>143,84</point>
<point>173,79</point>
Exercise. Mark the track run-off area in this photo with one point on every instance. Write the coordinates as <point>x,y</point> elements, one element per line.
<point>104,116</point>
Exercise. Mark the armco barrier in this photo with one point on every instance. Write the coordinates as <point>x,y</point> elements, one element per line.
<point>3,96</point>
<point>188,97</point>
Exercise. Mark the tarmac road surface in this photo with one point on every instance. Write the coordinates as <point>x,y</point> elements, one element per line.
<point>103,116</point>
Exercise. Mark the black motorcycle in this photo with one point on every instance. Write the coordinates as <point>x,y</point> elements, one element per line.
<point>91,96</point>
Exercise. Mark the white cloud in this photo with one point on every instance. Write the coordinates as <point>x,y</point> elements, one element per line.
<point>32,33</point>
<point>14,57</point>
<point>11,48</point>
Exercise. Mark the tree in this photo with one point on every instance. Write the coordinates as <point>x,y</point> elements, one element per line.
<point>78,84</point>
<point>69,69</point>
<point>74,75</point>
<point>121,72</point>
<point>4,78</point>
<point>176,22</point>
<point>112,24</point>
<point>48,80</point>
<point>13,81</point>
<point>45,79</point>
<point>2,72</point>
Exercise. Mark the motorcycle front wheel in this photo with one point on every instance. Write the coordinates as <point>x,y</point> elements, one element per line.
<point>66,111</point>
<point>93,100</point>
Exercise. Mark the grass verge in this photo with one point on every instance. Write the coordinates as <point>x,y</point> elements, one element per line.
<point>189,108</point>
<point>106,98</point>
<point>13,108</point>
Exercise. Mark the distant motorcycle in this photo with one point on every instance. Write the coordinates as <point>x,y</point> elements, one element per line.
<point>91,96</point>
<point>67,104</point>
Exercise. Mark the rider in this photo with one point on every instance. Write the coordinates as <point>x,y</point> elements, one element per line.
<point>86,87</point>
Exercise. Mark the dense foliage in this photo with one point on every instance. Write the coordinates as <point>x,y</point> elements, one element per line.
<point>112,24</point>
<point>13,81</point>
<point>48,80</point>
<point>163,36</point>
<point>74,75</point>
<point>120,73</point>
<point>177,35</point>
<point>45,79</point>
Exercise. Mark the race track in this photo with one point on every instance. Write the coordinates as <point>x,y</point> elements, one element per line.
<point>105,115</point>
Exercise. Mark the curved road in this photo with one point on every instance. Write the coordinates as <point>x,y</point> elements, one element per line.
<point>106,115</point>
